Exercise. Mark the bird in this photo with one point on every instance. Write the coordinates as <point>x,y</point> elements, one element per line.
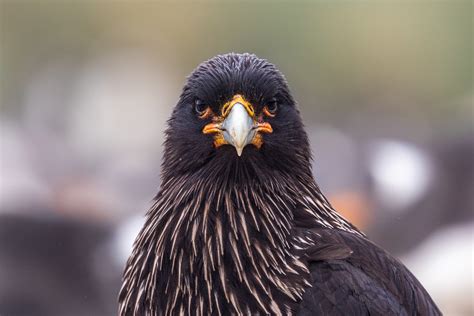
<point>239,225</point>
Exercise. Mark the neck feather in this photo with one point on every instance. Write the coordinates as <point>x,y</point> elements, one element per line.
<point>225,242</point>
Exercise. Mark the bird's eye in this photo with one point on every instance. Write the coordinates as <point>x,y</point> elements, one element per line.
<point>201,108</point>
<point>271,108</point>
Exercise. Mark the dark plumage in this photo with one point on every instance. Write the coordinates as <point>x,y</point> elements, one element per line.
<point>246,230</point>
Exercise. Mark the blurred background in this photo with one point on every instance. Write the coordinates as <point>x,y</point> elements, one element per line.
<point>385,89</point>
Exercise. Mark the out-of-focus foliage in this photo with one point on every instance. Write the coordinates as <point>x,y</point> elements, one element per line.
<point>417,54</point>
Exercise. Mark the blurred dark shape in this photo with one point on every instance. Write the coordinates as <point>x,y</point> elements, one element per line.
<point>449,199</point>
<point>55,266</point>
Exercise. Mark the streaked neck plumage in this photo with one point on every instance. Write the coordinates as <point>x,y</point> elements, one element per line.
<point>223,240</point>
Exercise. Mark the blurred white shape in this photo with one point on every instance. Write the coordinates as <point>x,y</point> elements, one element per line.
<point>401,171</point>
<point>444,265</point>
<point>124,237</point>
<point>121,103</point>
<point>19,184</point>
<point>99,124</point>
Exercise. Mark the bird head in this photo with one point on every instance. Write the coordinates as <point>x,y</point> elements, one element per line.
<point>236,107</point>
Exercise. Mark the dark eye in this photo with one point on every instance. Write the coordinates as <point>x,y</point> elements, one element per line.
<point>200,107</point>
<point>271,108</point>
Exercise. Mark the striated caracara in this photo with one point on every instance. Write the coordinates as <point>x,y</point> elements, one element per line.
<point>239,225</point>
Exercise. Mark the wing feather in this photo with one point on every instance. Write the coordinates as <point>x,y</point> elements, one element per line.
<point>352,276</point>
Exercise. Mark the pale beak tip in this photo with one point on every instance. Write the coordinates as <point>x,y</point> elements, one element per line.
<point>239,151</point>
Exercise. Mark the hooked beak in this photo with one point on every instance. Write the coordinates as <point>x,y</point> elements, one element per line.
<point>238,128</point>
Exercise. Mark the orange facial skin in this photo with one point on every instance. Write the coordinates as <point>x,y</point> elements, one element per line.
<point>216,126</point>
